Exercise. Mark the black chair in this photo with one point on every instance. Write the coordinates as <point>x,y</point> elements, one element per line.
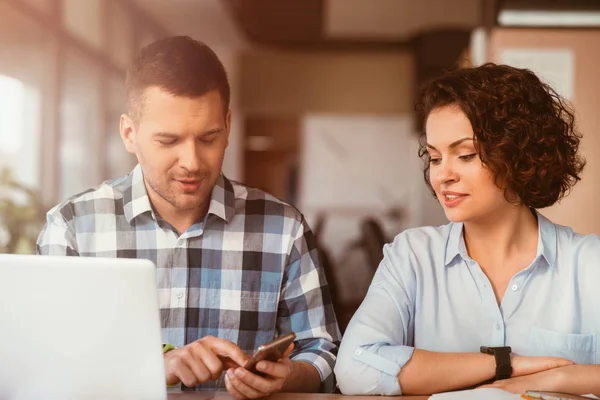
<point>373,239</point>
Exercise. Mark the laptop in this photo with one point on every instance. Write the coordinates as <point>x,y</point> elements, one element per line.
<point>79,328</point>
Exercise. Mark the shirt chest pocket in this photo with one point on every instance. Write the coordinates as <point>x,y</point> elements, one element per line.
<point>579,348</point>
<point>242,306</point>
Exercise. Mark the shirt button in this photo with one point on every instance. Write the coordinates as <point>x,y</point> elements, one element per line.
<point>179,295</point>
<point>358,352</point>
<point>497,327</point>
<point>514,287</point>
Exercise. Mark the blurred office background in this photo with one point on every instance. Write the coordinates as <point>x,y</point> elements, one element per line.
<point>322,101</point>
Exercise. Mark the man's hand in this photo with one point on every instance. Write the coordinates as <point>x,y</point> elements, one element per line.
<point>527,365</point>
<point>550,380</point>
<point>202,360</point>
<point>243,384</point>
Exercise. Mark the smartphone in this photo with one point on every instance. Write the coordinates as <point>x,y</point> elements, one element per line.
<point>271,351</point>
<point>534,394</point>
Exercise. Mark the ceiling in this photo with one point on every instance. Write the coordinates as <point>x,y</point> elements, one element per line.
<point>314,24</point>
<point>309,23</point>
<point>349,23</point>
<point>396,19</point>
<point>207,20</point>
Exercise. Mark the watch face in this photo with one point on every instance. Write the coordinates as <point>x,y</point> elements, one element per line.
<point>493,349</point>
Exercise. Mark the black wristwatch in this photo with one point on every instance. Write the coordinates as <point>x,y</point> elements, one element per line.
<point>502,355</point>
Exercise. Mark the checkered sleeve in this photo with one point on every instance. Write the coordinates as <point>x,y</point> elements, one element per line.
<point>305,308</point>
<point>57,238</point>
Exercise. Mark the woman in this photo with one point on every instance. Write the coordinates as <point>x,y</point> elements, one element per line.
<point>499,144</point>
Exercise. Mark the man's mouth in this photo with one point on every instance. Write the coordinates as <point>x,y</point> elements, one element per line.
<point>189,185</point>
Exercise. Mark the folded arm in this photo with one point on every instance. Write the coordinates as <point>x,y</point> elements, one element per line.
<point>572,379</point>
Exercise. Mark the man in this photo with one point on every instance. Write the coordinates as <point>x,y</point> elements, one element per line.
<point>235,266</point>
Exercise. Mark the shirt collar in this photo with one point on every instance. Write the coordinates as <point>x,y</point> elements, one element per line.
<point>136,201</point>
<point>135,198</point>
<point>456,244</point>
<point>222,201</point>
<point>547,242</point>
<point>546,248</point>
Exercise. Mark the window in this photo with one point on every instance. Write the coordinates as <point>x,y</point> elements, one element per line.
<point>12,97</point>
<point>81,124</point>
<point>19,130</point>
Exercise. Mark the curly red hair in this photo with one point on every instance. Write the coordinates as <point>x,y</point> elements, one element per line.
<point>525,133</point>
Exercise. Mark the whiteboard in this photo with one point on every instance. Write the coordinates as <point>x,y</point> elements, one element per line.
<point>364,162</point>
<point>357,166</point>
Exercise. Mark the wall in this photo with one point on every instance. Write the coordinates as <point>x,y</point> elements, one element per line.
<point>234,155</point>
<point>302,82</point>
<point>579,209</point>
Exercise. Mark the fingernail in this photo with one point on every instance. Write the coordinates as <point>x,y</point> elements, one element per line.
<point>260,366</point>
<point>230,373</point>
<point>239,372</point>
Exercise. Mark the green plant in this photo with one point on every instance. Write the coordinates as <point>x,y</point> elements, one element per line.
<point>21,215</point>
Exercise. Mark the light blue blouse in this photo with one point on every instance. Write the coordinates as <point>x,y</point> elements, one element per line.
<point>429,294</point>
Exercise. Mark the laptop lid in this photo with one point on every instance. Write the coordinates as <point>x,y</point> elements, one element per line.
<point>79,328</point>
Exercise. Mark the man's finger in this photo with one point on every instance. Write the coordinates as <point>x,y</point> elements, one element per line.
<point>214,365</point>
<point>185,375</point>
<point>228,363</point>
<point>254,381</point>
<point>171,376</point>
<point>276,370</point>
<point>200,371</point>
<point>232,390</point>
<point>226,348</point>
<point>242,387</point>
<point>288,351</point>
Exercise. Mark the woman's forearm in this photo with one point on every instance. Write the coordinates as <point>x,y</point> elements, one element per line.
<point>580,379</point>
<point>429,372</point>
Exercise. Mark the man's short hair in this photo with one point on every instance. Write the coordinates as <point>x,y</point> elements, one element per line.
<point>178,65</point>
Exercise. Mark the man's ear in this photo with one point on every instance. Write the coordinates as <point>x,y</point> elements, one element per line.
<point>127,129</point>
<point>228,125</point>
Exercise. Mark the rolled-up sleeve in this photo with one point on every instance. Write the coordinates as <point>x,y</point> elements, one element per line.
<point>375,344</point>
<point>305,308</point>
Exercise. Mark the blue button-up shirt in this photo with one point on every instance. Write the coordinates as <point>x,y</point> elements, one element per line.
<point>429,294</point>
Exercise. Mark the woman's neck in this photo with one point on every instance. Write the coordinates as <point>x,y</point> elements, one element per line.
<point>504,238</point>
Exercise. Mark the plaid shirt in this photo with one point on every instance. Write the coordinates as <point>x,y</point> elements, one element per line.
<point>247,273</point>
